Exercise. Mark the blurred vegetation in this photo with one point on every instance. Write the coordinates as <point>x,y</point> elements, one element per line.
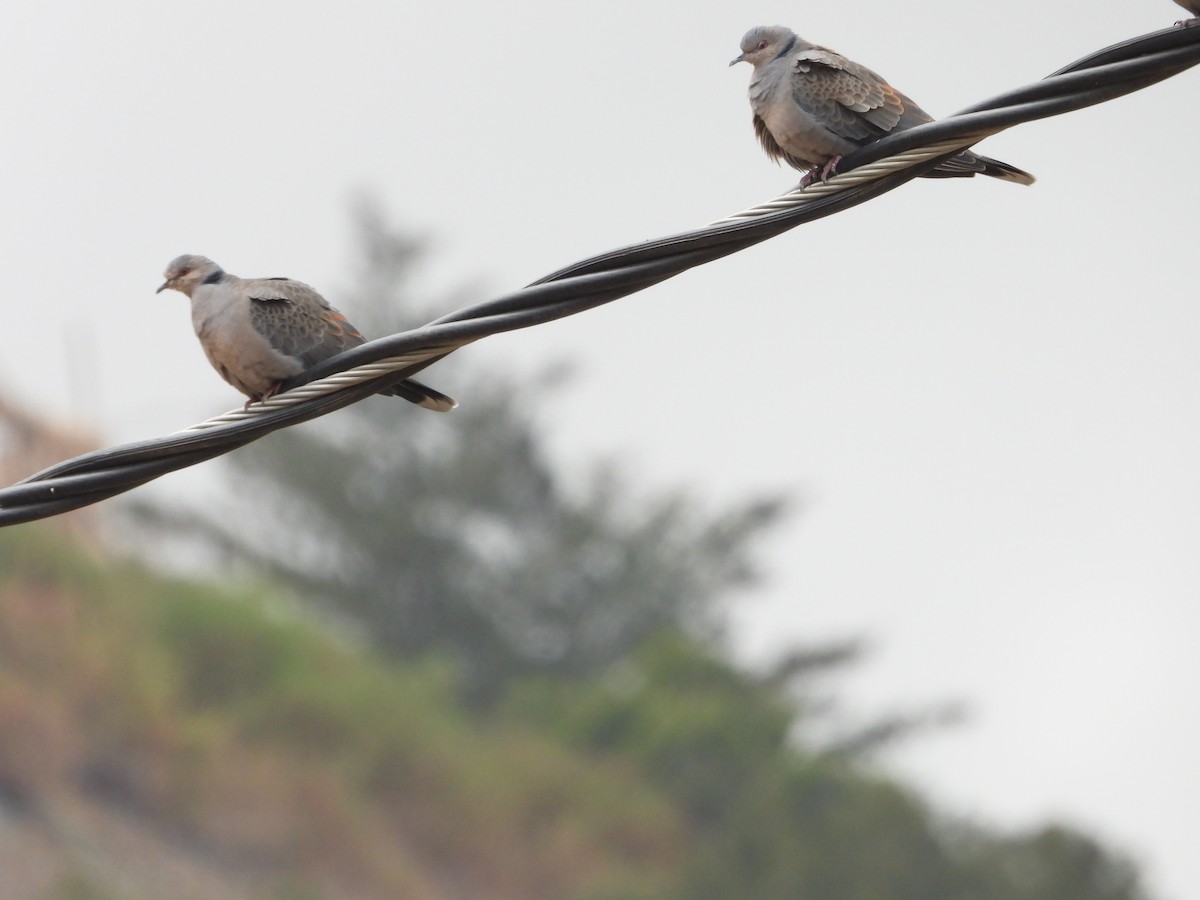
<point>443,673</point>
<point>250,742</point>
<point>167,738</point>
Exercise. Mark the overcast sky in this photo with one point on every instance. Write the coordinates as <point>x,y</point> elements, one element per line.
<point>986,394</point>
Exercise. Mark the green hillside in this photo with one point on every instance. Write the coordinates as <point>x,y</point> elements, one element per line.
<point>220,740</point>
<point>174,739</point>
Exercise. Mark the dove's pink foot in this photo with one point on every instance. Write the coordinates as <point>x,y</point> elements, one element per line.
<point>266,395</point>
<point>821,173</point>
<point>1184,23</point>
<point>830,168</point>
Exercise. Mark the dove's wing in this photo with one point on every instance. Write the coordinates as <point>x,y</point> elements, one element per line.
<point>848,99</point>
<point>297,321</point>
<point>858,105</point>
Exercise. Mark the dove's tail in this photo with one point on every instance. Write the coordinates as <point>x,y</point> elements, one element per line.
<point>422,395</point>
<point>967,164</point>
<point>1004,171</point>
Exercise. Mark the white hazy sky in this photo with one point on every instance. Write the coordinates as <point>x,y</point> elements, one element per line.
<point>987,393</point>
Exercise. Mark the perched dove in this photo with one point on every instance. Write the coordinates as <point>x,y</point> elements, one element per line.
<point>259,332</point>
<point>812,106</point>
<point>1192,6</point>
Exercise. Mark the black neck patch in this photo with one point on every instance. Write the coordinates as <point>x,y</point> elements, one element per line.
<point>214,277</point>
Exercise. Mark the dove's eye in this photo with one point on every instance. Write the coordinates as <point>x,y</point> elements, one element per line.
<point>762,45</point>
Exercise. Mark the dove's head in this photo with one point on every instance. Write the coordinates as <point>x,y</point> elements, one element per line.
<point>187,272</point>
<point>764,43</point>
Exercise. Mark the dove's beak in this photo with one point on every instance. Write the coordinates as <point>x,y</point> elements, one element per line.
<point>741,57</point>
<point>162,287</point>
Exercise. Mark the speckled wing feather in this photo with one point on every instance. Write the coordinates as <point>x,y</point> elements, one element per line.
<point>848,99</point>
<point>299,322</point>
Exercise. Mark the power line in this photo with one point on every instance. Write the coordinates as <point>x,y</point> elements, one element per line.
<point>866,173</point>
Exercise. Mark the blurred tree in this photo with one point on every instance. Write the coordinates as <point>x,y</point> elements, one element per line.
<point>1051,862</point>
<point>777,816</point>
<point>456,534</point>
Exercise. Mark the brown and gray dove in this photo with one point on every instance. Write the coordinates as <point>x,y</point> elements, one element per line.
<point>259,332</point>
<point>812,106</point>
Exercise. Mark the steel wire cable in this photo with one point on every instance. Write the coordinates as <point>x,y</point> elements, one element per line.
<point>349,377</point>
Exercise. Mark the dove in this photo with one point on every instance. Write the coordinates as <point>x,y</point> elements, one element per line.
<point>258,332</point>
<point>812,106</point>
<point>1192,6</point>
